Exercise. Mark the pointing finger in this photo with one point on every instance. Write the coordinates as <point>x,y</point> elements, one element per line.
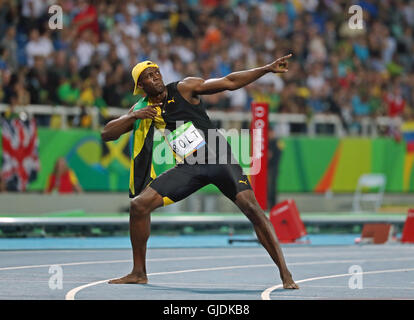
<point>286,57</point>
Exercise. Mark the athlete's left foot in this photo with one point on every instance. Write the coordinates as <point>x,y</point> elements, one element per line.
<point>290,285</point>
<point>288,282</point>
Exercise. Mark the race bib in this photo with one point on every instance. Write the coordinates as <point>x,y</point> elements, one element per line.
<point>185,140</point>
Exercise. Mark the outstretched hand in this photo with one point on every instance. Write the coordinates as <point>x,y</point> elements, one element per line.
<point>280,65</point>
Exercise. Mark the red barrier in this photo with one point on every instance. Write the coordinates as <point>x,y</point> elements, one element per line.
<point>286,220</point>
<point>408,230</point>
<point>377,233</point>
<point>259,141</point>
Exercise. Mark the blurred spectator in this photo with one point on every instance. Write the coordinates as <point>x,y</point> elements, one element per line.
<point>86,18</point>
<point>9,44</point>
<point>22,96</point>
<point>32,12</point>
<point>68,91</point>
<point>63,179</point>
<point>129,27</point>
<point>85,49</point>
<point>360,104</point>
<point>38,46</point>
<point>2,184</point>
<point>4,54</point>
<point>394,101</point>
<point>38,82</point>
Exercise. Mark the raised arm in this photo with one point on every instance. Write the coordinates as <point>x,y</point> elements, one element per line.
<point>191,87</point>
<point>117,127</point>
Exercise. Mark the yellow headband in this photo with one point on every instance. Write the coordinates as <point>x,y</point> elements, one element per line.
<point>136,72</point>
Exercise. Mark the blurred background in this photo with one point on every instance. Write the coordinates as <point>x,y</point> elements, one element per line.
<point>341,138</point>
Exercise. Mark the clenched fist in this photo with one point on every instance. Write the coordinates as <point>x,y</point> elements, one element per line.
<point>149,112</point>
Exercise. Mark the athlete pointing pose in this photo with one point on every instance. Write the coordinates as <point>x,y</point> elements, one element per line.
<point>178,112</point>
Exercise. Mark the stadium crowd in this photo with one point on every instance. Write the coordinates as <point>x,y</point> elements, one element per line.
<point>334,69</point>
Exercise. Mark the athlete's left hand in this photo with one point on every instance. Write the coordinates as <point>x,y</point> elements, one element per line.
<point>280,65</point>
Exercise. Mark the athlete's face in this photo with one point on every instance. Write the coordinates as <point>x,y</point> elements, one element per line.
<point>151,82</point>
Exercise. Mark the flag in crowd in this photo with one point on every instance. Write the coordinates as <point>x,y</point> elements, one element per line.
<point>20,157</point>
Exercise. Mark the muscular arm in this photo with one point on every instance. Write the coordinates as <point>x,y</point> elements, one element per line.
<point>117,127</point>
<point>192,87</point>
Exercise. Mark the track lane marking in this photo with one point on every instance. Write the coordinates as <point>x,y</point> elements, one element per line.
<point>129,260</point>
<point>186,258</point>
<point>72,293</point>
<point>266,293</point>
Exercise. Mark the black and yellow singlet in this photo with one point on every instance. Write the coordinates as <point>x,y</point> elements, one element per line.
<point>202,153</point>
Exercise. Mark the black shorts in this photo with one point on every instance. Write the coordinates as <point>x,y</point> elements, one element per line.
<point>184,179</point>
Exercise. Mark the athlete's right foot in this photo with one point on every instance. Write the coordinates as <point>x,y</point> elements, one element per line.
<point>132,278</point>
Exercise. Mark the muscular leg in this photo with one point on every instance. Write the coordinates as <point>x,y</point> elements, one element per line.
<point>139,229</point>
<point>247,203</point>
<point>176,183</point>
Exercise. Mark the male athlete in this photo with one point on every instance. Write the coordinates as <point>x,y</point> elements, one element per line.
<point>177,108</point>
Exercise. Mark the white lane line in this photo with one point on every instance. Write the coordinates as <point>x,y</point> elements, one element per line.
<point>71,294</point>
<point>266,293</point>
<point>80,250</point>
<point>63,264</point>
<point>304,297</point>
<point>129,260</point>
<point>365,287</point>
<point>319,250</point>
<point>348,261</point>
<point>190,258</point>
